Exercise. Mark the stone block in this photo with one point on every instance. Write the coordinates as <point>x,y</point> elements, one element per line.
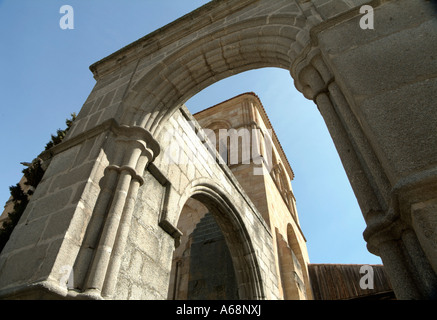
<point>383,56</point>
<point>51,203</point>
<point>332,8</point>
<point>62,162</point>
<point>75,175</point>
<point>56,225</point>
<point>26,235</point>
<point>407,148</point>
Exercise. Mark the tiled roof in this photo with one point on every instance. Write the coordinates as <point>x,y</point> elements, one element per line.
<point>342,282</point>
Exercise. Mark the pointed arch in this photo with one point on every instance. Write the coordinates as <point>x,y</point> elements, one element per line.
<point>230,219</point>
<point>266,41</point>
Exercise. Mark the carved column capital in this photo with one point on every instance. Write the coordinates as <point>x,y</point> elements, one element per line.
<point>312,75</point>
<point>138,137</point>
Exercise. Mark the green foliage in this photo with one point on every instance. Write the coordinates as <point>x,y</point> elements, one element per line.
<point>60,134</point>
<point>33,174</point>
<point>20,200</point>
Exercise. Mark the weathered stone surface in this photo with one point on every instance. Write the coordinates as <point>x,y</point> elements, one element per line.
<point>376,89</point>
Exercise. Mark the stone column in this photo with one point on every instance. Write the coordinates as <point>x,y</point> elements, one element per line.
<point>317,82</point>
<point>399,218</point>
<point>377,89</point>
<point>135,149</point>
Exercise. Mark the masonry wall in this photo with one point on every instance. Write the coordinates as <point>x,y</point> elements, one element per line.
<point>146,268</point>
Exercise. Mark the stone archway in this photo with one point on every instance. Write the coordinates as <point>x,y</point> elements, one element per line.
<point>235,249</point>
<point>376,91</point>
<point>239,240</point>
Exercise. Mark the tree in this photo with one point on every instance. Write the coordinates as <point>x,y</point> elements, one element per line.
<point>60,134</point>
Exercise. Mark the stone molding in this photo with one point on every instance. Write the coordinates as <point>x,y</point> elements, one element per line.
<point>142,137</point>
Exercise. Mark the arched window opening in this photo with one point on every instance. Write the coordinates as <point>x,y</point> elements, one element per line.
<point>202,267</point>
<point>291,274</point>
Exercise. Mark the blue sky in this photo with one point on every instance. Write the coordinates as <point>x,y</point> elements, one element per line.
<point>44,77</point>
